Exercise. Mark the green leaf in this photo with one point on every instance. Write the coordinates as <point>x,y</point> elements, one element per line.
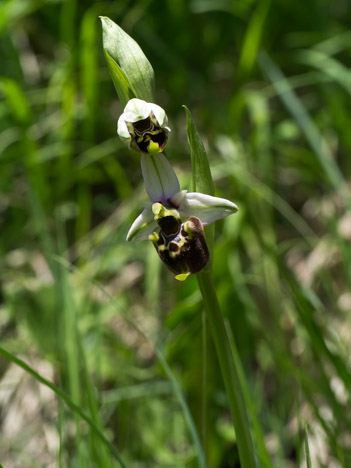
<point>131,71</point>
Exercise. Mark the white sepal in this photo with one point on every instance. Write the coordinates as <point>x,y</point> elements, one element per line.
<point>205,207</point>
<point>160,180</point>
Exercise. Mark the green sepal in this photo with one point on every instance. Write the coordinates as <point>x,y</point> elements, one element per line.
<point>201,173</point>
<point>131,71</point>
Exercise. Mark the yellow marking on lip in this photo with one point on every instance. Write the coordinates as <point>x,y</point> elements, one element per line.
<point>154,237</point>
<point>153,148</point>
<point>182,276</point>
<point>180,244</point>
<point>188,230</point>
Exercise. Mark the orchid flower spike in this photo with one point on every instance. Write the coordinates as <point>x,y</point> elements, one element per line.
<point>173,220</point>
<point>144,126</point>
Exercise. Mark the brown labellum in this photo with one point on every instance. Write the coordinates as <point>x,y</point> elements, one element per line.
<point>182,246</point>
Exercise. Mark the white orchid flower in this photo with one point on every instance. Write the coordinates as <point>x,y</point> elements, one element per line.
<point>144,126</point>
<point>163,188</point>
<point>173,220</point>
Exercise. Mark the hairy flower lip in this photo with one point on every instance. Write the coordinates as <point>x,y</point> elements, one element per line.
<point>180,245</point>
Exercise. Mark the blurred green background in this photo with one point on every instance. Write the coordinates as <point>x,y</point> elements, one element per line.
<point>268,84</point>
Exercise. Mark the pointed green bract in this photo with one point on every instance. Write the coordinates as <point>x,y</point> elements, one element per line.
<point>131,72</point>
<point>122,86</point>
<point>202,178</point>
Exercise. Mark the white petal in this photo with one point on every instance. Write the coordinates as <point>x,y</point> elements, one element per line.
<point>205,207</point>
<point>142,226</point>
<point>160,180</point>
<point>122,129</point>
<point>136,109</point>
<point>160,115</point>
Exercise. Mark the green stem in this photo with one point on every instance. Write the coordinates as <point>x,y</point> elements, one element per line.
<point>228,368</point>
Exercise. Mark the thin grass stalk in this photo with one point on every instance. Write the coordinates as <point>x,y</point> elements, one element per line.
<point>307,449</point>
<point>204,381</point>
<point>70,339</point>
<point>263,454</point>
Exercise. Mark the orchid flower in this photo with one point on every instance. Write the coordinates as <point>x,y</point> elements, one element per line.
<point>144,126</point>
<point>173,219</point>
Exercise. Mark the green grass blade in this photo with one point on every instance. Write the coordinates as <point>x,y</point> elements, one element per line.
<point>17,101</point>
<point>70,338</point>
<point>69,402</point>
<point>253,38</point>
<point>329,66</point>
<point>187,415</point>
<point>259,436</point>
<point>307,449</point>
<point>306,124</point>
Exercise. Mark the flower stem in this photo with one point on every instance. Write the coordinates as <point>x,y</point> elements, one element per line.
<point>228,368</point>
